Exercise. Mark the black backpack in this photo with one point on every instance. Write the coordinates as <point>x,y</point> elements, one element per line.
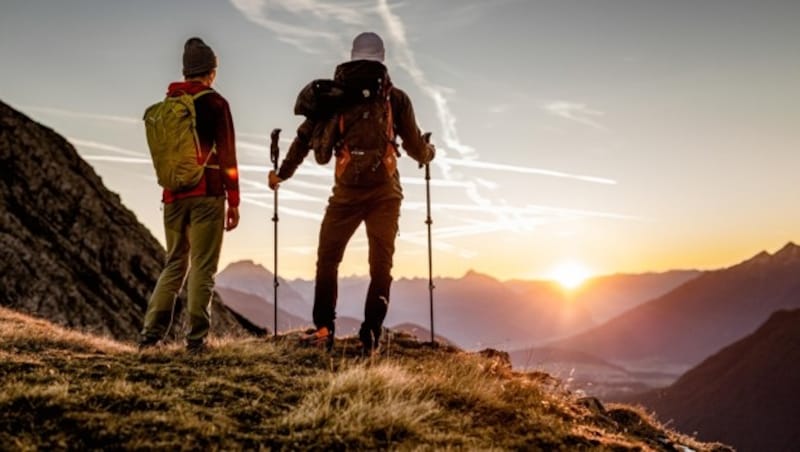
<point>319,101</point>
<point>366,151</point>
<point>352,116</point>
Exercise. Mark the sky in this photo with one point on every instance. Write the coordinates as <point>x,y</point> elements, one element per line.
<point>604,136</point>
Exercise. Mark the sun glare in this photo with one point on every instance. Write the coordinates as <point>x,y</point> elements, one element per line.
<point>570,275</point>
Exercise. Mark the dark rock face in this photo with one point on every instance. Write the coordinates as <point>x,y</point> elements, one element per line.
<point>69,250</point>
<point>746,395</point>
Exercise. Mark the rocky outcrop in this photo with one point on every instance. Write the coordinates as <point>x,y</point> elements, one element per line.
<point>69,250</point>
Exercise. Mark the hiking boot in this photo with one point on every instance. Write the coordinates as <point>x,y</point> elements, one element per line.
<point>147,343</point>
<point>368,351</point>
<point>369,342</point>
<point>318,338</point>
<point>196,347</point>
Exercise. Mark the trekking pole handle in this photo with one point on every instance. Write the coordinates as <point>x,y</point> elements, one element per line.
<point>426,137</point>
<point>273,147</point>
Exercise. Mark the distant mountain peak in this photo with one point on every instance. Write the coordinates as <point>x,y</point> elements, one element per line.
<point>760,258</point>
<point>245,263</point>
<point>788,254</point>
<point>247,266</point>
<point>789,251</point>
<point>473,274</point>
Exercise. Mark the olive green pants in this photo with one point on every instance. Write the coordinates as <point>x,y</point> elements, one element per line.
<point>194,228</point>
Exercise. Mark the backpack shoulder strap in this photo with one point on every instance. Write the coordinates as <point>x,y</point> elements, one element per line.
<point>389,113</point>
<point>197,138</point>
<point>202,93</point>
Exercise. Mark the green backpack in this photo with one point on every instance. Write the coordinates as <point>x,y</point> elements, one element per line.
<point>171,127</point>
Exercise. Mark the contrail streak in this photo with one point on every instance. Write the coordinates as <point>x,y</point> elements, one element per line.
<point>111,158</point>
<point>103,147</point>
<point>397,33</point>
<point>525,170</point>
<point>526,210</point>
<point>576,112</point>
<point>285,210</point>
<point>76,114</point>
<point>301,37</point>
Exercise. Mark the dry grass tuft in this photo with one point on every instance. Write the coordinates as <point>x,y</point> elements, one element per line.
<point>345,407</point>
<point>66,390</point>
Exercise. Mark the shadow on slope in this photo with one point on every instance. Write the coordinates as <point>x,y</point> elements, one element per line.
<point>745,394</point>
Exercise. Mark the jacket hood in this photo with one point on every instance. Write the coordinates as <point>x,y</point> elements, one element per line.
<point>186,87</point>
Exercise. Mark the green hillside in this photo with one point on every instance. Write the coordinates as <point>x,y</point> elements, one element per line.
<point>67,390</point>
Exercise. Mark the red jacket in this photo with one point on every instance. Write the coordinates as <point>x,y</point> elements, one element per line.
<point>214,126</point>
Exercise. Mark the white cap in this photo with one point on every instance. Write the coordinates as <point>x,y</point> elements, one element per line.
<point>367,46</point>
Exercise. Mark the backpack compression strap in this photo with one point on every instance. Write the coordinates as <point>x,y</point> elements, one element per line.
<point>197,138</point>
<point>389,125</point>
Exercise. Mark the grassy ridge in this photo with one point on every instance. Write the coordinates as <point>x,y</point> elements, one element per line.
<point>66,390</point>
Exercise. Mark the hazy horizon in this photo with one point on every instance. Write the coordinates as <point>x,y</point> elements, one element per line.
<point>614,136</point>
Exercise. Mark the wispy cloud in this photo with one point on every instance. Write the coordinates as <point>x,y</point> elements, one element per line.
<point>576,112</point>
<point>407,61</point>
<point>308,37</point>
<point>285,210</point>
<point>305,170</point>
<point>81,115</point>
<point>527,170</point>
<point>499,109</point>
<point>262,138</point>
<point>528,210</point>
<point>116,159</point>
<point>253,136</point>
<point>353,15</point>
<point>77,142</point>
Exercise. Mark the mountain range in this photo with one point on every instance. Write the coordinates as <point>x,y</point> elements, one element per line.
<point>606,297</point>
<point>698,318</point>
<point>472,311</point>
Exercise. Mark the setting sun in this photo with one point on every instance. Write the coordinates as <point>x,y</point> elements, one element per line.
<point>570,275</point>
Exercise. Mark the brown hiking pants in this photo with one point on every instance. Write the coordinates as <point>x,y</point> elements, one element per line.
<point>380,211</point>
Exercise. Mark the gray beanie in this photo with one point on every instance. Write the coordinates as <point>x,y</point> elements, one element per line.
<point>367,46</point>
<point>198,58</point>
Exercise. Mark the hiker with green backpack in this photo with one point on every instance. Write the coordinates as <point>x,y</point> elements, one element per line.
<point>191,140</point>
<point>357,117</point>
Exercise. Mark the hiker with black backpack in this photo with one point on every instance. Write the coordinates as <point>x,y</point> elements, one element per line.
<point>356,116</point>
<point>191,139</point>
